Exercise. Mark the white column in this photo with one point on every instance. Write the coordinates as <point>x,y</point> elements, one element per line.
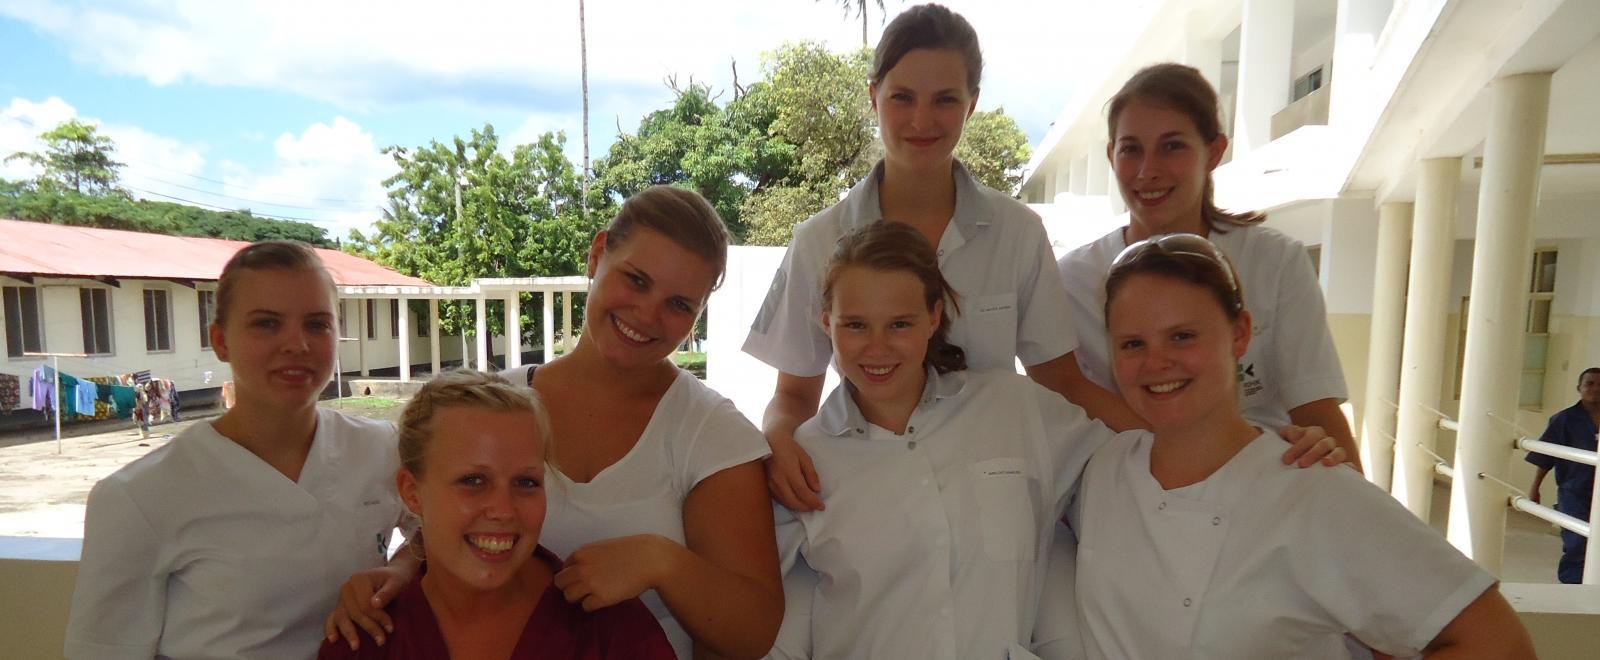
<point>1063,179</point>
<point>1099,172</point>
<point>1203,51</point>
<point>1266,44</point>
<point>566,321</point>
<point>1508,197</point>
<point>1080,172</point>
<point>514,330</point>
<point>547,325</point>
<point>404,319</point>
<point>1422,356</point>
<point>480,341</point>
<point>1114,194</point>
<point>362,319</point>
<point>433,336</point>
<point>1383,354</point>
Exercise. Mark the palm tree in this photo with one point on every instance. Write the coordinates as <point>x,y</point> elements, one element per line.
<point>860,7</point>
<point>583,52</point>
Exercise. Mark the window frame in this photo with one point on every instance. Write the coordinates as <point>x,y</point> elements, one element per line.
<point>16,318</point>
<point>107,320</point>
<point>205,302</point>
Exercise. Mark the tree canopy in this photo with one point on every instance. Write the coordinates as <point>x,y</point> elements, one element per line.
<point>76,157</point>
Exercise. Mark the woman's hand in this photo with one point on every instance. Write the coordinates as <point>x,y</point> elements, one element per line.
<point>608,572</point>
<point>1309,445</point>
<point>361,602</point>
<point>791,478</point>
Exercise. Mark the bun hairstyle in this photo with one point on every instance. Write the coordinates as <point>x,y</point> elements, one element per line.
<point>928,26</point>
<point>464,388</point>
<point>267,255</point>
<point>896,247</point>
<point>678,214</point>
<point>1181,89</point>
<point>1183,257</point>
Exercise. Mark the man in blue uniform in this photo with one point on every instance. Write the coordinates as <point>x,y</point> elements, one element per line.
<point>1574,427</point>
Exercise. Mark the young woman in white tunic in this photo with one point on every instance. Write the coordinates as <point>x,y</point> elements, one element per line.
<point>945,483</point>
<point>228,541</point>
<point>1196,542</point>
<point>924,86</point>
<point>658,489</point>
<point>1165,140</point>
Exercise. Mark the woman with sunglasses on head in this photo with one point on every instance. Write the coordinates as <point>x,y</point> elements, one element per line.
<point>1195,541</point>
<point>659,491</point>
<point>228,541</point>
<point>1165,140</point>
<point>924,86</point>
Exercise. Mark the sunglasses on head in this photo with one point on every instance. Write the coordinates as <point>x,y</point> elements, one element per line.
<point>1193,245</point>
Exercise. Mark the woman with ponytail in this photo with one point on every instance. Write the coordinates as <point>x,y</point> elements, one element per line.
<point>943,483</point>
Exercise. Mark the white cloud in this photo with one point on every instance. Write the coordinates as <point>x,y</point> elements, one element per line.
<point>332,173</point>
<point>20,125</point>
<point>150,161</point>
<point>524,55</point>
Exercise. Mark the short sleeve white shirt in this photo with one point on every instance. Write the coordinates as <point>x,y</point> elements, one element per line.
<point>994,253</point>
<point>1260,560</point>
<point>202,550</point>
<point>933,543</point>
<point>694,433</point>
<point>1291,360</point>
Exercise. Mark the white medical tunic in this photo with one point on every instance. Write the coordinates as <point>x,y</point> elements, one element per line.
<point>933,543</point>
<point>994,252</point>
<point>694,433</point>
<point>202,550</point>
<point>1260,560</point>
<point>1291,360</point>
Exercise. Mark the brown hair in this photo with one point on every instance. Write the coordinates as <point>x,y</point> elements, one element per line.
<point>1182,89</point>
<point>464,388</point>
<point>678,214</point>
<point>267,255</point>
<point>927,26</point>
<point>1211,270</point>
<point>897,247</point>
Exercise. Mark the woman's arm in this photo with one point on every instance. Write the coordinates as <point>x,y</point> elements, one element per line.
<point>722,585</point>
<point>1325,413</point>
<point>363,597</point>
<point>791,478</point>
<point>1065,377</point>
<point>119,604</point>
<point>1487,628</point>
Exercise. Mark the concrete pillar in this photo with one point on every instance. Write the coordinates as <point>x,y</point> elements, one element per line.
<point>1203,51</point>
<point>1508,197</point>
<point>1383,354</point>
<point>433,336</point>
<point>1266,45</point>
<point>1114,194</point>
<point>1422,356</point>
<point>480,340</point>
<point>566,321</point>
<point>1063,179</point>
<point>404,319</point>
<point>547,325</point>
<point>513,330</point>
<point>1099,173</point>
<point>1080,173</point>
<point>362,319</point>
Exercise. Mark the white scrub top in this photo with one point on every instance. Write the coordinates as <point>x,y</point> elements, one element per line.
<point>1260,560</point>
<point>1291,360</point>
<point>694,433</point>
<point>933,543</point>
<point>202,550</point>
<point>994,253</point>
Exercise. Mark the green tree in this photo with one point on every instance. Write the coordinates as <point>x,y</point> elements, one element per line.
<point>76,157</point>
<point>54,204</point>
<point>465,209</point>
<point>994,149</point>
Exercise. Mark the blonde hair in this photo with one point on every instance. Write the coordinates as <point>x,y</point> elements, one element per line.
<point>464,388</point>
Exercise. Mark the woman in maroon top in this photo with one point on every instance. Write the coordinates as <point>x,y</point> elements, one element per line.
<point>472,452</point>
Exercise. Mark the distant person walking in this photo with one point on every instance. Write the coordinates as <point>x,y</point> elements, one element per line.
<point>1574,427</point>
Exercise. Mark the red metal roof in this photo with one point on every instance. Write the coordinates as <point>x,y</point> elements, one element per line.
<point>37,248</point>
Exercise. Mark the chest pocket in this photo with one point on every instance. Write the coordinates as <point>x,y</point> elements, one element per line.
<point>987,331</point>
<point>1005,506</point>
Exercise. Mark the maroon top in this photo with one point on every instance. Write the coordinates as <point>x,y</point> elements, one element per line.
<point>556,629</point>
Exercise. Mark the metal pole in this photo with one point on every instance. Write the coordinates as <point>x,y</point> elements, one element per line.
<point>55,365</point>
<point>1591,553</point>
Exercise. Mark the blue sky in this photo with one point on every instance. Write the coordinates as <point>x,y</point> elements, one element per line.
<point>283,107</point>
